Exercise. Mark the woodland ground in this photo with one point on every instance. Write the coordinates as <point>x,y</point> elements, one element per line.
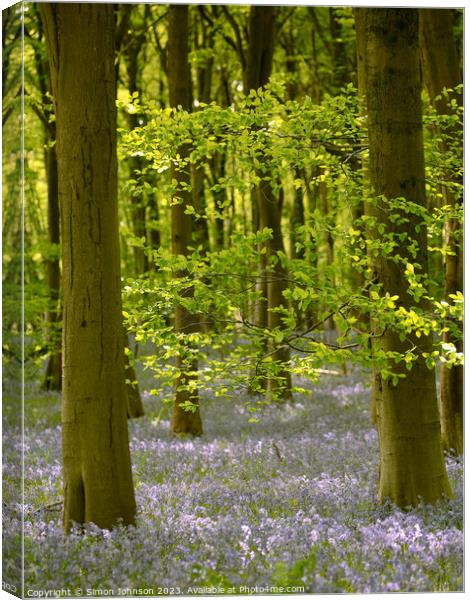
<point>286,501</point>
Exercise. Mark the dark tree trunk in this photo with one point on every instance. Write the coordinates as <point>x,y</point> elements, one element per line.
<point>276,274</point>
<point>268,208</point>
<point>260,47</point>
<point>342,70</point>
<point>132,53</point>
<point>366,208</point>
<point>183,421</point>
<point>53,375</point>
<point>135,408</point>
<point>217,166</point>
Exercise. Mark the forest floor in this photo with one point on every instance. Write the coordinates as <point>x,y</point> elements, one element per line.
<point>286,502</point>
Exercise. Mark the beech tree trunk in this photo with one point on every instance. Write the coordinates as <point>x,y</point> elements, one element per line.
<point>260,47</point>
<point>183,421</point>
<point>53,375</point>
<point>203,91</point>
<point>442,70</point>
<point>256,75</point>
<point>270,216</point>
<point>297,221</point>
<point>340,57</point>
<point>153,226</point>
<point>272,276</point>
<point>96,460</point>
<point>133,47</point>
<point>329,242</point>
<point>361,38</point>
<point>217,166</point>
<point>135,407</point>
<point>297,215</point>
<point>411,456</point>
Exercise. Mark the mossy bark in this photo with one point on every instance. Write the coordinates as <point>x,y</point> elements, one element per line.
<point>183,421</point>
<point>411,456</point>
<point>442,70</point>
<point>97,473</point>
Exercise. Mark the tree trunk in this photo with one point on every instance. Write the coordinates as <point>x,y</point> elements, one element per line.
<point>270,217</point>
<point>329,242</point>
<point>297,221</point>
<point>96,460</point>
<point>217,166</point>
<point>201,227</point>
<point>183,421</point>
<point>442,70</point>
<point>311,251</point>
<point>360,24</point>
<point>315,84</point>
<point>411,457</point>
<point>268,209</point>
<point>260,47</point>
<point>342,70</point>
<point>297,210</point>
<point>133,47</point>
<point>53,375</point>
<point>153,225</point>
<point>135,408</point>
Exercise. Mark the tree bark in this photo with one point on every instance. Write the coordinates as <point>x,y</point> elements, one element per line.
<point>297,221</point>
<point>329,241</point>
<point>53,375</point>
<point>297,216</point>
<point>279,386</point>
<point>138,202</point>
<point>260,47</point>
<point>132,49</point>
<point>217,167</point>
<point>342,70</point>
<point>442,70</point>
<point>256,74</point>
<point>272,273</point>
<point>153,226</point>
<point>183,421</point>
<point>361,38</point>
<point>201,227</point>
<point>135,407</point>
<point>95,449</point>
<point>411,457</point>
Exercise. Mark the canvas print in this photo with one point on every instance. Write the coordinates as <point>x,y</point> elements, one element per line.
<point>232,299</point>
